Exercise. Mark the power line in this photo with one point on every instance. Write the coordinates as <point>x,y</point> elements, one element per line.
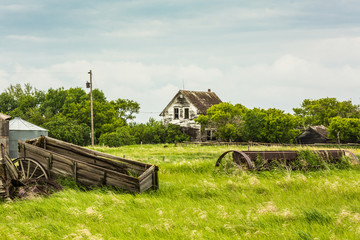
<point>150,112</point>
<point>39,72</point>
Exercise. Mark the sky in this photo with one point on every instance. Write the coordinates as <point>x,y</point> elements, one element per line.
<point>260,53</point>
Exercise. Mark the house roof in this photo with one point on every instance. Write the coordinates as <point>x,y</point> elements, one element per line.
<point>320,130</point>
<point>22,125</point>
<point>201,100</point>
<point>4,117</point>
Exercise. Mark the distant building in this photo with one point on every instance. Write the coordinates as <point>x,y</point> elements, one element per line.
<point>23,130</point>
<point>313,134</point>
<point>185,107</point>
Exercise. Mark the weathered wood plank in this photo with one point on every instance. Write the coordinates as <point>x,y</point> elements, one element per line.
<point>120,167</point>
<point>146,183</point>
<point>92,168</point>
<point>88,152</point>
<point>148,172</point>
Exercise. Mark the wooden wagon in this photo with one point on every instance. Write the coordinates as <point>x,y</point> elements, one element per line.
<point>89,167</point>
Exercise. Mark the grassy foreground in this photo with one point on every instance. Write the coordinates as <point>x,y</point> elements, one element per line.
<point>196,202</point>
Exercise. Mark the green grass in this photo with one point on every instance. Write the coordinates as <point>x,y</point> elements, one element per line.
<point>195,201</point>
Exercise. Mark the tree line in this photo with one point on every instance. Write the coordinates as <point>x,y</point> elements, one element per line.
<point>238,123</point>
<point>66,114</point>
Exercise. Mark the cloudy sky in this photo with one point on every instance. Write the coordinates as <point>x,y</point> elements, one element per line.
<point>260,53</point>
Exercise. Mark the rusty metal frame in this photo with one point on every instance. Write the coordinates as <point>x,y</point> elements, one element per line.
<point>251,156</point>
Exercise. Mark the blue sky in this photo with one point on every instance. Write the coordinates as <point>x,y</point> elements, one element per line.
<point>258,53</point>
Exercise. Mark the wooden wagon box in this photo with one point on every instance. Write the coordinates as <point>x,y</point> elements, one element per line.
<point>89,167</point>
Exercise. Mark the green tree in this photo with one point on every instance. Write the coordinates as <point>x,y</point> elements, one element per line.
<point>174,134</point>
<point>22,102</point>
<point>254,123</point>
<point>53,102</point>
<point>8,103</point>
<point>108,116</point>
<point>280,127</point>
<point>320,111</point>
<point>347,129</point>
<point>126,108</point>
<point>271,125</point>
<point>119,138</point>
<point>68,130</point>
<point>226,118</point>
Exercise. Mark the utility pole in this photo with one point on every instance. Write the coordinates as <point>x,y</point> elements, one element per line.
<point>89,85</point>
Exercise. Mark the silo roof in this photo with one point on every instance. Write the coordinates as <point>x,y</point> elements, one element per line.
<point>22,125</point>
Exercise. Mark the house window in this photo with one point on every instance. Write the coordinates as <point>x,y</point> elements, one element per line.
<point>208,135</point>
<point>186,113</point>
<point>176,113</point>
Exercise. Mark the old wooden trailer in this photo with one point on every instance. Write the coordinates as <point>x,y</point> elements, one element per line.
<point>89,167</point>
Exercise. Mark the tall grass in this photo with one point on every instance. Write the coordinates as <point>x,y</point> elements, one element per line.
<point>196,201</point>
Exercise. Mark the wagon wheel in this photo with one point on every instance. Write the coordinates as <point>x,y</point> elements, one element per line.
<point>34,187</point>
<point>353,156</point>
<point>29,168</point>
<point>233,158</point>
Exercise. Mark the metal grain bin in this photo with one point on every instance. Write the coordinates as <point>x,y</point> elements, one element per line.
<point>23,130</point>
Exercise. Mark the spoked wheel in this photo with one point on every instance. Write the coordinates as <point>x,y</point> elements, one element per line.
<point>29,168</point>
<point>232,159</point>
<point>35,187</point>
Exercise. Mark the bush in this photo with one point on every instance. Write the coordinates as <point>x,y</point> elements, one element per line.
<point>348,129</point>
<point>152,132</point>
<point>68,130</point>
<point>119,138</point>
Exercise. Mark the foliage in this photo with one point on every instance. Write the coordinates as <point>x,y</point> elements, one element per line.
<point>236,122</point>
<point>21,102</point>
<point>126,108</point>
<point>271,125</point>
<point>48,108</point>
<point>121,137</point>
<point>254,123</point>
<point>347,129</point>
<point>279,127</point>
<point>152,132</point>
<point>226,118</point>
<point>174,134</point>
<point>67,129</point>
<point>320,111</point>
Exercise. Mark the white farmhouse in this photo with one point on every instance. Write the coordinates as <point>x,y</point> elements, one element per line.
<point>185,107</point>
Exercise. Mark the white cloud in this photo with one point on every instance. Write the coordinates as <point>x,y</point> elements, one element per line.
<point>283,84</point>
<point>29,38</point>
<point>19,7</point>
<point>132,33</point>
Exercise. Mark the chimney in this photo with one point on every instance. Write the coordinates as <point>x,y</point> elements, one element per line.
<point>209,90</point>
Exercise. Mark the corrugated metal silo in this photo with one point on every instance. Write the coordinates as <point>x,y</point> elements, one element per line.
<point>23,130</point>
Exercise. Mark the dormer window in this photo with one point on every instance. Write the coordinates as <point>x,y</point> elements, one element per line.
<point>176,113</point>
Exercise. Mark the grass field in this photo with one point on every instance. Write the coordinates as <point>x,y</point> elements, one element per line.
<point>195,201</point>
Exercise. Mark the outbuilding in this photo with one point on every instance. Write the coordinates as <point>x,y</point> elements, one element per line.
<point>314,134</point>
<point>23,130</point>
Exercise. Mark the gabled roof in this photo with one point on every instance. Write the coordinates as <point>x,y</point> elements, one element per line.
<point>22,125</point>
<point>320,130</point>
<point>4,117</point>
<point>201,100</point>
